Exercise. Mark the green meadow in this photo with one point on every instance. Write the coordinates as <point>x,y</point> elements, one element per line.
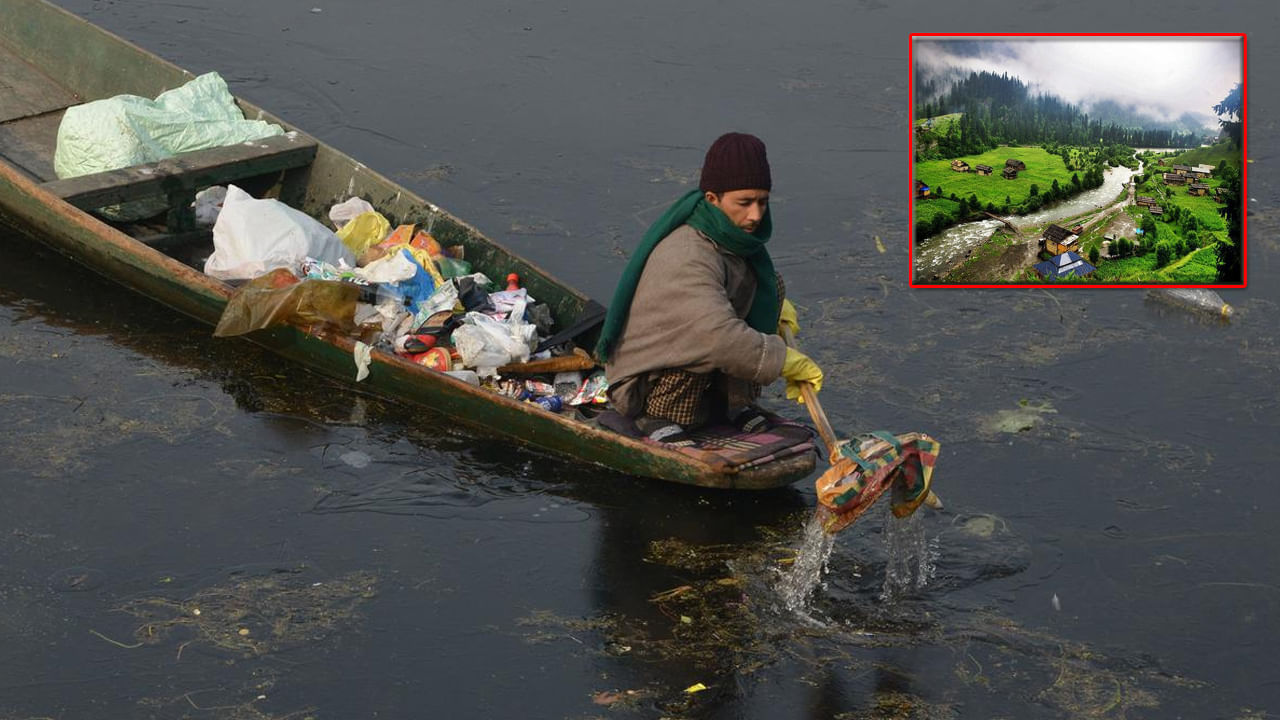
<point>1042,169</point>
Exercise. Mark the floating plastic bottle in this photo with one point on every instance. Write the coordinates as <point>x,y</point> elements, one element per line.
<point>1196,299</point>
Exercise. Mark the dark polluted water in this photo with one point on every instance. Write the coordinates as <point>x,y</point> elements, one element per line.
<point>192,528</point>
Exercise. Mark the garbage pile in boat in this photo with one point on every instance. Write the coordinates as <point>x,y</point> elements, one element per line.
<point>392,289</point>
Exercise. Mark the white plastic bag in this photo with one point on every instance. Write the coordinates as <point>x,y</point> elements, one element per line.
<point>485,343</point>
<point>254,236</point>
<point>345,212</point>
<point>208,204</point>
<point>389,269</point>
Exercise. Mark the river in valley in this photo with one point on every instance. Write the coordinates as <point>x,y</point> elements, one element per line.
<point>936,254</point>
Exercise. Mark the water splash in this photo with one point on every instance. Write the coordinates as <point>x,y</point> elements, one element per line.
<point>797,586</point>
<point>911,561</point>
<point>911,556</point>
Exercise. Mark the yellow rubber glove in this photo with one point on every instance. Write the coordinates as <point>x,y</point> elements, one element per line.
<point>789,319</point>
<point>800,368</point>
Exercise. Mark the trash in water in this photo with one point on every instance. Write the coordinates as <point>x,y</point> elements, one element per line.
<point>257,615</point>
<point>356,459</point>
<point>1194,299</point>
<point>1026,417</point>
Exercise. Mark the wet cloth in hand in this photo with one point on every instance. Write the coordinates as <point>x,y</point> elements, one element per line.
<point>865,469</point>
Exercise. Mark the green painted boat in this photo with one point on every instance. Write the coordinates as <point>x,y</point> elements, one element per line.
<point>51,59</point>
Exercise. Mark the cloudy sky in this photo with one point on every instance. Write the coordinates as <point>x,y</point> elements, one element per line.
<point>1161,77</point>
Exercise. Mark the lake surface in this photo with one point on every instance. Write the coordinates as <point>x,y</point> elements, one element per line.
<point>1107,544</point>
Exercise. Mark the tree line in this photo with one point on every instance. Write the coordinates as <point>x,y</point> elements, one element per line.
<point>998,109</point>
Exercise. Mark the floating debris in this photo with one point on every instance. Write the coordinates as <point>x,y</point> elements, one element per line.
<point>258,615</point>
<point>1197,300</point>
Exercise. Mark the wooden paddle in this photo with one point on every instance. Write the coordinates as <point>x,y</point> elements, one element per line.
<point>841,467</point>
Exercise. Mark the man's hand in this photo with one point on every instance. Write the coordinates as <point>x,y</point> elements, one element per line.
<point>799,368</point>
<point>788,319</point>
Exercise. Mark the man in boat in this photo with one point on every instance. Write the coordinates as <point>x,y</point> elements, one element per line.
<point>692,333</point>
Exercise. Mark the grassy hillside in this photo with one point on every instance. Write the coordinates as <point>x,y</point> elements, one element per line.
<point>1211,155</point>
<point>1042,170</point>
<point>940,122</point>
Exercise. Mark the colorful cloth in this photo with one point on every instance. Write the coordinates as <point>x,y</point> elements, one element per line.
<point>726,447</point>
<point>865,470</point>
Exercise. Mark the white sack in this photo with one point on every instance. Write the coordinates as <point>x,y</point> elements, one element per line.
<point>252,237</point>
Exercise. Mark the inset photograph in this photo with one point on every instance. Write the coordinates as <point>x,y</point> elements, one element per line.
<point>1090,160</point>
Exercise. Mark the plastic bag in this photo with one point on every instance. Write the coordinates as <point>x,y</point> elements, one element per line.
<point>208,204</point>
<point>253,236</point>
<point>350,209</point>
<point>444,298</point>
<point>389,269</point>
<point>486,344</point>
<point>128,130</point>
<point>278,297</point>
<point>365,231</point>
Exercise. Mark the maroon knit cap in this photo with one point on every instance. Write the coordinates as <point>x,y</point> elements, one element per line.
<point>736,161</point>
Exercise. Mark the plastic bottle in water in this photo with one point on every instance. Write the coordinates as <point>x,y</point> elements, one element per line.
<point>1199,299</point>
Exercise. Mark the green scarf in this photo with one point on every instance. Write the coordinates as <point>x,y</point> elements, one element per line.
<point>693,209</point>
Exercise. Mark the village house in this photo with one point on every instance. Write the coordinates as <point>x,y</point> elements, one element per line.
<point>1198,189</point>
<point>922,190</point>
<point>982,169</point>
<point>1182,169</point>
<point>1147,201</point>
<point>1015,164</point>
<point>1058,240</point>
<point>1064,265</point>
<point>1157,211</point>
<point>1220,194</point>
<point>1009,173</point>
<point>1203,170</point>
<point>1175,179</point>
<point>959,165</point>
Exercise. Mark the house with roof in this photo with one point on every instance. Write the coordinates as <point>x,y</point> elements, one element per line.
<point>1156,210</point>
<point>1144,200</point>
<point>1009,173</point>
<point>1065,265</point>
<point>1015,164</point>
<point>959,165</point>
<point>1203,171</point>
<point>922,190</point>
<point>1182,169</point>
<point>1198,189</point>
<point>1058,240</point>
<point>982,169</point>
<point>1175,179</point>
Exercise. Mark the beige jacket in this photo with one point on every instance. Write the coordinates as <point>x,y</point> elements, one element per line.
<point>688,313</point>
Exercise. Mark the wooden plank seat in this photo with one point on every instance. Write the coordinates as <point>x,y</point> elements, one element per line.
<point>180,176</point>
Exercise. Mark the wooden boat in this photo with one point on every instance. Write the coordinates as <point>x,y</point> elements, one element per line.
<point>50,60</point>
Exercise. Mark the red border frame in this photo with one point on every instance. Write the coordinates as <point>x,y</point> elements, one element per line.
<point>1244,165</point>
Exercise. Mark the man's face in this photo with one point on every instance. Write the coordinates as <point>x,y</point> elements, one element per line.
<point>744,207</point>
